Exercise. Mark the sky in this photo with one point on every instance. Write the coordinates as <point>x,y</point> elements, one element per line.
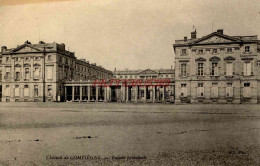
<point>132,34</point>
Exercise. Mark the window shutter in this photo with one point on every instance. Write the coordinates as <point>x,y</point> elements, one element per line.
<point>188,69</point>
<point>217,69</point>
<point>252,68</point>
<point>242,68</point>
<point>234,72</point>
<point>197,69</point>
<point>224,68</point>
<point>198,91</point>
<point>179,69</point>
<point>210,68</point>
<point>204,69</point>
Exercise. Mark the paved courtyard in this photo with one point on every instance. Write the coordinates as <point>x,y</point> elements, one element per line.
<point>128,134</point>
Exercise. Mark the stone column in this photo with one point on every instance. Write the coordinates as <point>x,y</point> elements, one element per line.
<point>123,92</point>
<point>88,93</point>
<point>73,91</point>
<point>65,95</point>
<point>96,93</point>
<point>163,99</point>
<point>154,94</point>
<point>105,95</point>
<point>127,94</point>
<point>145,93</point>
<point>80,93</point>
<point>136,93</point>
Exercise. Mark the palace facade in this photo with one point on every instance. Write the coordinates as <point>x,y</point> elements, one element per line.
<point>217,68</point>
<point>37,72</point>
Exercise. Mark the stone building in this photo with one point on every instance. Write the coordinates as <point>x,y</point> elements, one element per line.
<point>217,68</point>
<point>38,72</point>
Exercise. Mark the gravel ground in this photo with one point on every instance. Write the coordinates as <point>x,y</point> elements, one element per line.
<point>128,134</point>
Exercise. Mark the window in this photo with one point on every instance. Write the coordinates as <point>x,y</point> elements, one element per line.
<point>37,58</point>
<point>49,57</point>
<point>7,75</point>
<point>7,90</point>
<point>183,71</point>
<point>17,75</point>
<point>27,73</point>
<point>229,69</point>
<point>0,61</point>
<point>49,70</point>
<point>49,90</point>
<point>229,90</point>
<point>247,68</point>
<point>26,91</point>
<point>16,59</point>
<point>247,48</point>
<point>183,90</point>
<point>200,51</point>
<point>60,59</point>
<point>214,69</point>
<point>246,90</point>
<point>229,50</point>
<point>200,90</point>
<point>16,91</point>
<point>27,58</point>
<point>36,90</point>
<point>214,90</point>
<point>200,69</point>
<point>66,61</point>
<point>183,52</point>
<point>36,72</point>
<point>121,76</point>
<point>7,59</point>
<point>215,51</point>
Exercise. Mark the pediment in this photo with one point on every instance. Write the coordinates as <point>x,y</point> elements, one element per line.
<point>148,71</point>
<point>200,59</point>
<point>25,48</point>
<point>229,58</point>
<point>214,58</point>
<point>27,65</point>
<point>216,38</point>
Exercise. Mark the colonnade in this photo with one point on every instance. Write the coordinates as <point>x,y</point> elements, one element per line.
<point>90,93</point>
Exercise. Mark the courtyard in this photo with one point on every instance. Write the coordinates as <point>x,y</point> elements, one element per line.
<point>128,134</point>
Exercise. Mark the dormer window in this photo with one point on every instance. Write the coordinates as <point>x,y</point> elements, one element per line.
<point>247,48</point>
<point>200,51</point>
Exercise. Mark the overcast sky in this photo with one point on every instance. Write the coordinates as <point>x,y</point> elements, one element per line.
<point>133,34</point>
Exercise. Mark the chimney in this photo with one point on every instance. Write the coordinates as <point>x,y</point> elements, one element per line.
<point>185,38</point>
<point>220,31</point>
<point>194,34</point>
<point>3,49</point>
<point>63,46</point>
<point>27,42</point>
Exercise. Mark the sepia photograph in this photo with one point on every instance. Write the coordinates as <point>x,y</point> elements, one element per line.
<point>129,82</point>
